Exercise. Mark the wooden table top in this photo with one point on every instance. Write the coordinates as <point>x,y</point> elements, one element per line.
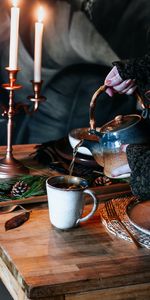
<point>52,264</point>
<point>47,262</point>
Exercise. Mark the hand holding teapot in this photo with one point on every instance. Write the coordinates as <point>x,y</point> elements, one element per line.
<point>115,84</point>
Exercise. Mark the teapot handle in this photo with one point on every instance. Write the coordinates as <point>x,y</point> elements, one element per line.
<point>139,99</point>
<point>145,105</point>
<point>99,91</point>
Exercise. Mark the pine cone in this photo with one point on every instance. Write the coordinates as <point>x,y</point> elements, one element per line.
<point>103,180</point>
<point>19,188</point>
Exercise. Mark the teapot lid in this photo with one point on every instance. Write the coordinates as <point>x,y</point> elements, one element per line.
<point>120,122</point>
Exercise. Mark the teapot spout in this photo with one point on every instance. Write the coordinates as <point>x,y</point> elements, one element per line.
<point>95,148</point>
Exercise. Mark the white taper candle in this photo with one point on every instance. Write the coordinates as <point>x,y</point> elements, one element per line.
<point>14,36</point>
<point>38,46</point>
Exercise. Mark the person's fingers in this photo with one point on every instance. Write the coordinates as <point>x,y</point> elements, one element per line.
<point>121,170</point>
<point>113,78</point>
<point>131,90</point>
<point>116,84</point>
<point>112,73</point>
<point>123,147</point>
<point>110,92</point>
<point>128,91</point>
<point>122,86</point>
<point>113,81</point>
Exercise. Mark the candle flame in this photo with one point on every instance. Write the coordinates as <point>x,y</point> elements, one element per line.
<point>15,3</point>
<point>40,14</point>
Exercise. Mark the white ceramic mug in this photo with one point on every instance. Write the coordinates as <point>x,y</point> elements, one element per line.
<point>66,201</point>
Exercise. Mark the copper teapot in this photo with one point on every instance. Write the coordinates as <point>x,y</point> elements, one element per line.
<point>114,136</point>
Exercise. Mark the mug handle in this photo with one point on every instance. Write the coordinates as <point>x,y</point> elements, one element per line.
<point>94,208</point>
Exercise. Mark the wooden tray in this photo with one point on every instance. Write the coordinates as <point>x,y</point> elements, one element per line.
<point>24,152</point>
<point>102,193</point>
<point>31,200</point>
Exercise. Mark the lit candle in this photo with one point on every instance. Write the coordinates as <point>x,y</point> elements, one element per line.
<point>14,35</point>
<point>38,46</point>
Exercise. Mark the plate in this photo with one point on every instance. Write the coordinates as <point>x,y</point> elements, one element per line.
<point>139,215</point>
<point>64,150</point>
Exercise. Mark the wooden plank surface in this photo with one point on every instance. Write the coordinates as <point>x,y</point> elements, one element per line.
<point>11,283</point>
<point>122,293</point>
<point>47,262</point>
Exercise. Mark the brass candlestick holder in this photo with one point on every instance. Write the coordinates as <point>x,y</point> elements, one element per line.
<point>9,166</point>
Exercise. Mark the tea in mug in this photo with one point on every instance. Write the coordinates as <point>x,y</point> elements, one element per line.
<point>68,186</point>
